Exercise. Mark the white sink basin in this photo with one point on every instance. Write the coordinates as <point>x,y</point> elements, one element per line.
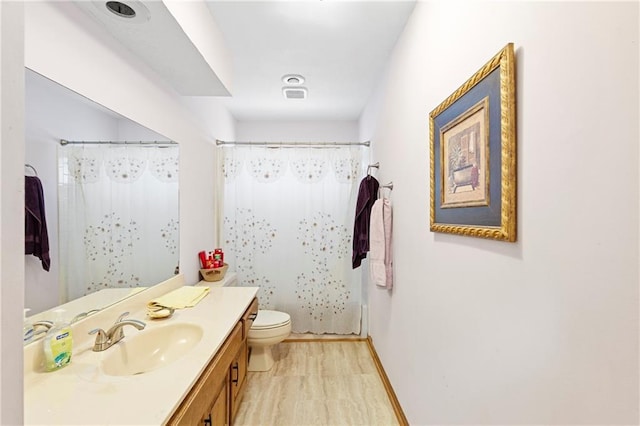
<point>143,351</point>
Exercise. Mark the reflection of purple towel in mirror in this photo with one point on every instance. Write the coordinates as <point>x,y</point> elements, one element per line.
<point>36,239</point>
<point>367,195</point>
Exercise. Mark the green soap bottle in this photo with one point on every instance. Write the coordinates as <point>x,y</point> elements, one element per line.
<point>58,343</point>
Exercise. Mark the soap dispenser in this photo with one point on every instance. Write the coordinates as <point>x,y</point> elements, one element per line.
<point>58,343</point>
<point>27,328</point>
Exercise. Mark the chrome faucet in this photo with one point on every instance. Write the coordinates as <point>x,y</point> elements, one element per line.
<point>106,339</point>
<point>43,323</point>
<point>41,327</point>
<point>82,315</point>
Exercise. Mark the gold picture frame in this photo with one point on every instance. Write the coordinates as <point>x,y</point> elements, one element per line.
<point>473,154</point>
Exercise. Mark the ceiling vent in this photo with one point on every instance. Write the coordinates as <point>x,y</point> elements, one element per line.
<point>121,9</point>
<point>295,92</point>
<point>125,11</point>
<point>293,79</point>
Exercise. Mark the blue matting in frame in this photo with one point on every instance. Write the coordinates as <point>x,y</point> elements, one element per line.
<point>476,215</point>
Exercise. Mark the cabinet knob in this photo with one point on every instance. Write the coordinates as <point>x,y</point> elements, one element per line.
<point>207,421</point>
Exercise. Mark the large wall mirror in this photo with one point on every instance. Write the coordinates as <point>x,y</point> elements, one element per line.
<point>110,199</point>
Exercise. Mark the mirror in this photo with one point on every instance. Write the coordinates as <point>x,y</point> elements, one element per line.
<point>111,202</point>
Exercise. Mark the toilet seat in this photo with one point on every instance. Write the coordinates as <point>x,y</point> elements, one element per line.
<point>267,319</point>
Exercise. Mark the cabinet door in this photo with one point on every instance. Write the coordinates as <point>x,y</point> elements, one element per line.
<point>219,415</point>
<point>238,374</point>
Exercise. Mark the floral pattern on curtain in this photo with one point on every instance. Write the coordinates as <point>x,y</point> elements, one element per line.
<point>288,224</point>
<point>118,216</point>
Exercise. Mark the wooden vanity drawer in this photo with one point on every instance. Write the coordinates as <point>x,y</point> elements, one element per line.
<point>248,317</point>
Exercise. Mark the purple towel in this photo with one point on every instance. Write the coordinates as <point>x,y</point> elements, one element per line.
<point>367,195</point>
<point>36,239</point>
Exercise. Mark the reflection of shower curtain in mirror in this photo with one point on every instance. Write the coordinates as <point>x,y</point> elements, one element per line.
<point>118,216</point>
<point>288,224</point>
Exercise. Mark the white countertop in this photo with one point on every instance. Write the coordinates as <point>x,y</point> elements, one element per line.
<point>81,394</point>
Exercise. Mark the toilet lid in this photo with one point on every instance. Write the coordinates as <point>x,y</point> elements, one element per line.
<point>270,319</point>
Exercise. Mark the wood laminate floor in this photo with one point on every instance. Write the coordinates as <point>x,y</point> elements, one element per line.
<point>317,383</point>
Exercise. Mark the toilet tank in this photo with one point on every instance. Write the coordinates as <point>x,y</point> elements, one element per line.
<point>230,280</point>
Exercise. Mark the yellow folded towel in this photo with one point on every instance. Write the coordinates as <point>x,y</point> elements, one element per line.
<point>183,297</point>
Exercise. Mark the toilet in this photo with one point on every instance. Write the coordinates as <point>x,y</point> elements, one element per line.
<point>268,329</point>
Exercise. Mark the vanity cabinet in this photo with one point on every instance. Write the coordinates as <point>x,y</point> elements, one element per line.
<point>247,318</point>
<point>216,395</point>
<point>208,398</point>
<point>241,360</point>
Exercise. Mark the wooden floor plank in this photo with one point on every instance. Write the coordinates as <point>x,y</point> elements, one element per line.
<point>318,383</point>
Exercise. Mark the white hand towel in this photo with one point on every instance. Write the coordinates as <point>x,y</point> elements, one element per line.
<point>381,261</point>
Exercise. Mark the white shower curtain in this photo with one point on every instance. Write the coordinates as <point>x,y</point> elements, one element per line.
<point>118,216</point>
<point>288,224</point>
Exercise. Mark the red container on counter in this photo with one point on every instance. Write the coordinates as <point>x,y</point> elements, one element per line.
<point>218,254</point>
<point>211,259</point>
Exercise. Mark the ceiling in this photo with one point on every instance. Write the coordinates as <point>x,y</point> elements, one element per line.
<point>155,37</point>
<point>340,47</point>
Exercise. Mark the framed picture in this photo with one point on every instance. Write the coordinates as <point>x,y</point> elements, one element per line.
<point>473,154</point>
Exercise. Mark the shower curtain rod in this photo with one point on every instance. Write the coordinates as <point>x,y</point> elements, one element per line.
<point>64,142</point>
<point>294,144</point>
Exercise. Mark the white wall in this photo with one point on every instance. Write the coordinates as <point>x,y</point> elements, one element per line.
<point>11,209</point>
<point>297,131</point>
<point>204,33</point>
<point>131,131</point>
<point>545,330</point>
